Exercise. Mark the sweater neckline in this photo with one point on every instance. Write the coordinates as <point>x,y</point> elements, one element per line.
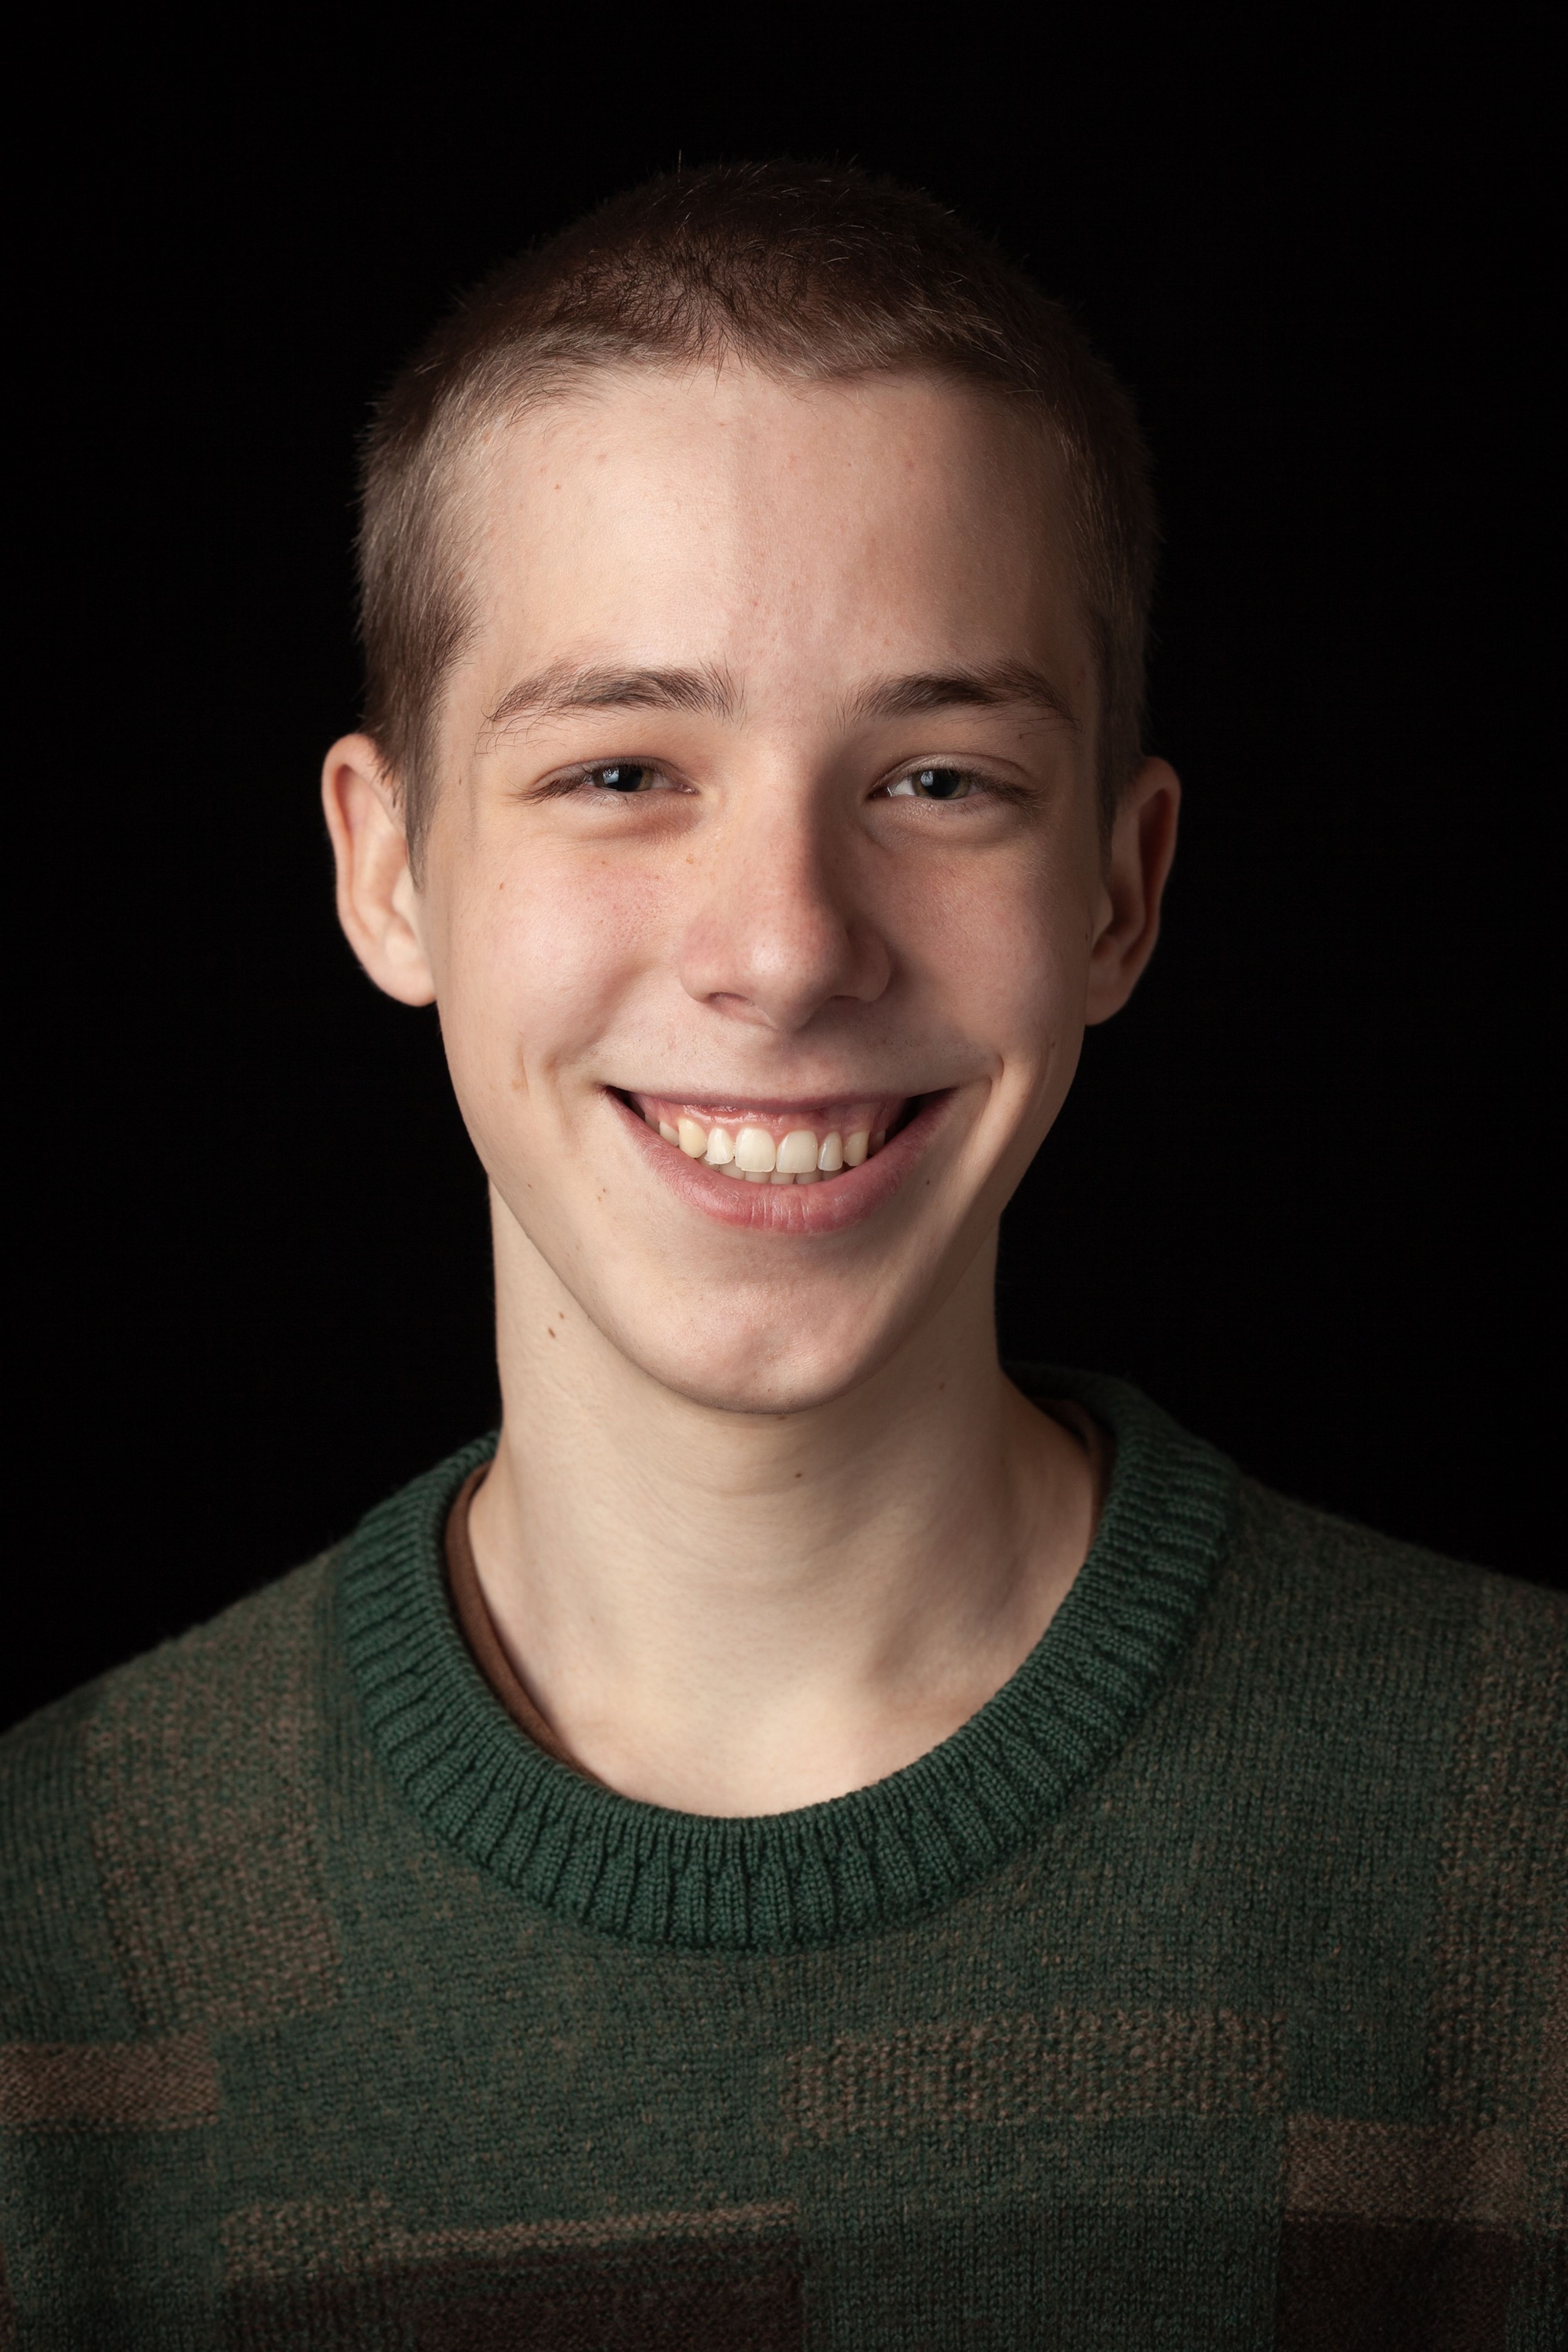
<point>778,1882</point>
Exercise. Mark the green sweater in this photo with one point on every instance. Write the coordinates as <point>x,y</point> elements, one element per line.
<point>1205,1989</point>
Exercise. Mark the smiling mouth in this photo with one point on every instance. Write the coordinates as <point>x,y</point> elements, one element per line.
<point>802,1144</point>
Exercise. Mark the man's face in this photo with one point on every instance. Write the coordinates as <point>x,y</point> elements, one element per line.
<point>766,813</point>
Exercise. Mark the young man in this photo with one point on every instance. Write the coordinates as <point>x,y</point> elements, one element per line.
<point>804,1840</point>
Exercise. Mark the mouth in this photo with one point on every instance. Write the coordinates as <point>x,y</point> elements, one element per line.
<point>763,1144</point>
<point>795,1167</point>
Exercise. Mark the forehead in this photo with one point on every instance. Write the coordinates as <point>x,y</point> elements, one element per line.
<point>718,515</point>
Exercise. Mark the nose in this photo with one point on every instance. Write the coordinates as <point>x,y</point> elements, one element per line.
<point>778,931</point>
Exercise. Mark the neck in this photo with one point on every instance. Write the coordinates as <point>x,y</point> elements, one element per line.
<point>736,1614</point>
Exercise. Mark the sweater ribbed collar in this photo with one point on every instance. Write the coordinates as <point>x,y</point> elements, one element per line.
<point>780,1882</point>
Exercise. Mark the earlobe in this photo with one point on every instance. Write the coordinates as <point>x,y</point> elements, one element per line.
<point>1142,844</point>
<point>378,901</point>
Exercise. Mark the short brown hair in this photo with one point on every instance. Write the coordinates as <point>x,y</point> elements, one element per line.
<point>812,272</point>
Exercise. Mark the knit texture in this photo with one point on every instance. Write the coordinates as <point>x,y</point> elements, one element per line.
<point>1205,1989</point>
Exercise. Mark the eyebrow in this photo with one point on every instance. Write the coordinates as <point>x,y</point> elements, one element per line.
<point>995,683</point>
<point>710,692</point>
<point>565,687</point>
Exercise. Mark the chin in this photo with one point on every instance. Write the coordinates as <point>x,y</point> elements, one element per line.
<point>761,1378</point>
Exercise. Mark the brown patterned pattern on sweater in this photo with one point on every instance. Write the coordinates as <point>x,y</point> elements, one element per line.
<point>1495,1934</point>
<point>322,2239</point>
<point>109,2085</point>
<point>1402,2234</point>
<point>203,1826</point>
<point>1406,2172</point>
<point>680,2281</point>
<point>1011,2069</point>
<point>1370,2286</point>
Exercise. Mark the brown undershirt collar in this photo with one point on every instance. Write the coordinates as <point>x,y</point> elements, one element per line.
<point>479,1628</point>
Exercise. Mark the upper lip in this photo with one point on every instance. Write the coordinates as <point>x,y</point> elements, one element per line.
<point>734,1103</point>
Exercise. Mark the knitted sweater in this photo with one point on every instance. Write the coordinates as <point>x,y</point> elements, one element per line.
<point>1205,1990</point>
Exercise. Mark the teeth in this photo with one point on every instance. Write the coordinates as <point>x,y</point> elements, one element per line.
<point>755,1151</point>
<point>797,1152</point>
<point>754,1156</point>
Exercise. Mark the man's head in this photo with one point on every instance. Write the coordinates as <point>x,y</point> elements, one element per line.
<point>807,274</point>
<point>760,775</point>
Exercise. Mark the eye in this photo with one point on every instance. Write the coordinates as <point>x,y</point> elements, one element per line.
<point>626,776</point>
<point>933,784</point>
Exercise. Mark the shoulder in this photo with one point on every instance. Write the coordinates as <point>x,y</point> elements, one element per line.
<point>1400,1688</point>
<point>1392,1729</point>
<point>161,1811</point>
<point>1348,1585</point>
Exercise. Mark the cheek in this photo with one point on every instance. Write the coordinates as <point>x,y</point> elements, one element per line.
<point>1009,951</point>
<point>539,963</point>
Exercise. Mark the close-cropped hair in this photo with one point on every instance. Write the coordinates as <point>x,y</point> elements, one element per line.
<point>811,273</point>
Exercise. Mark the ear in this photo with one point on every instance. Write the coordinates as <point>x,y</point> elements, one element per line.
<point>1143,843</point>
<point>378,899</point>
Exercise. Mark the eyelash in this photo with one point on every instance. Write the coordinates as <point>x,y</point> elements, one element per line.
<point>974,786</point>
<point>977,785</point>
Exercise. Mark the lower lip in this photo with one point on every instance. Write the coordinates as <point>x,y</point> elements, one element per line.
<point>808,1209</point>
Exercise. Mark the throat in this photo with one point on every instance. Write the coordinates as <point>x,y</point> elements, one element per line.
<point>789,1643</point>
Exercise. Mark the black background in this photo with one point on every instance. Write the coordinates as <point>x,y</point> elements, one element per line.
<point>1296,1193</point>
